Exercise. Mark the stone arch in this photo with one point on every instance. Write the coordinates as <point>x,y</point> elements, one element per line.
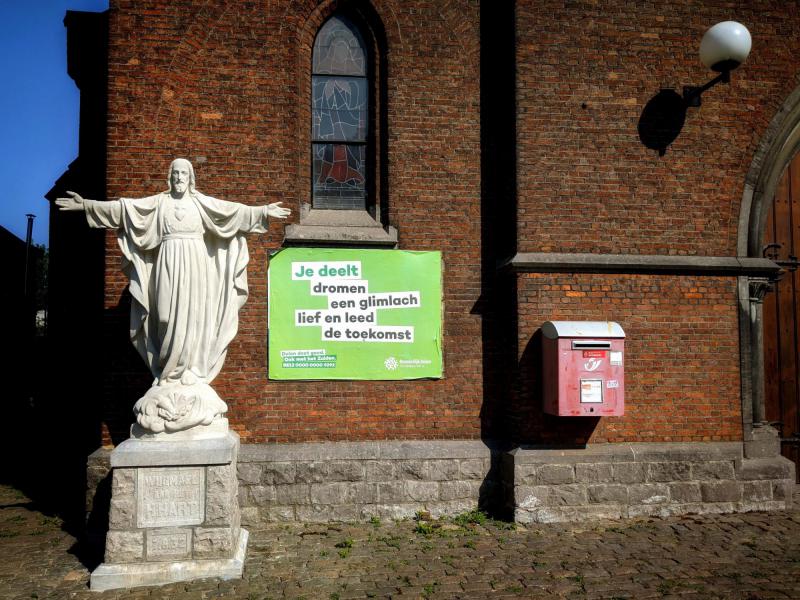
<point>780,143</point>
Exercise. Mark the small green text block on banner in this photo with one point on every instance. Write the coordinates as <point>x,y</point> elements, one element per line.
<point>355,314</point>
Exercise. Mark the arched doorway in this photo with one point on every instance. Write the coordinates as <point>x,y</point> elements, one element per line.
<point>781,313</point>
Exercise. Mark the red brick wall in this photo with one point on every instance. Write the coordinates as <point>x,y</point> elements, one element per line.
<point>225,81</point>
<point>586,183</point>
<point>681,356</point>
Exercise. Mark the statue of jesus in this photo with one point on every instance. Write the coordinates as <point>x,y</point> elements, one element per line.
<point>186,257</point>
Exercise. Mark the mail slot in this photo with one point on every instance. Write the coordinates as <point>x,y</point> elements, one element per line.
<point>583,370</point>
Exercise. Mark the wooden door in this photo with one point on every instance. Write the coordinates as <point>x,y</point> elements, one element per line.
<point>782,315</point>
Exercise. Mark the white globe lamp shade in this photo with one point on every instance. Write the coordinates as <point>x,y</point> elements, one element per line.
<point>725,46</point>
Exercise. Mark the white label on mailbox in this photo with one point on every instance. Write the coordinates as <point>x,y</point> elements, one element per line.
<point>592,364</point>
<point>615,358</point>
<point>612,383</point>
<point>591,391</point>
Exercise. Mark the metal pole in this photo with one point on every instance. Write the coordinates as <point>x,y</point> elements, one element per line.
<point>28,242</point>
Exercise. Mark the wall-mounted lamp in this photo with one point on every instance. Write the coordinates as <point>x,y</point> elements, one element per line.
<point>724,47</point>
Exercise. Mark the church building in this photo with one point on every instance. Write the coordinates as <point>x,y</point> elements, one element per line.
<point>569,161</point>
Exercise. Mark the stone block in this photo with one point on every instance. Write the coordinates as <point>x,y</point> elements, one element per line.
<point>221,495</point>
<point>280,514</point>
<point>525,474</point>
<point>347,513</point>
<point>95,474</point>
<point>765,468</point>
<point>655,510</point>
<point>593,472</point>
<point>628,472</point>
<point>212,542</point>
<point>607,494</point>
<point>721,491</point>
<point>451,508</point>
<point>564,514</point>
<point>171,453</point>
<point>344,492</point>
<point>116,576</point>
<point>95,477</point>
<point>684,492</point>
<point>568,495</point>
<point>346,470</point>
<point>648,493</point>
<point>713,470</point>
<point>756,491</point>
<point>528,497</point>
<point>279,473</point>
<point>123,482</point>
<point>765,442</point>
<point>379,470</point>
<point>295,493</point>
<point>410,469</point>
<point>782,489</point>
<point>422,491</point>
<point>441,470</point>
<point>168,544</point>
<point>393,491</point>
<point>124,546</point>
<point>669,471</point>
<point>312,472</point>
<point>473,468</point>
<point>259,495</point>
<point>250,516</point>
<point>249,473</point>
<point>760,506</point>
<point>396,512</point>
<point>555,474</point>
<point>122,511</point>
<point>460,490</point>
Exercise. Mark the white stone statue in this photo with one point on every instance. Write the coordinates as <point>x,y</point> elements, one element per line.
<point>186,257</point>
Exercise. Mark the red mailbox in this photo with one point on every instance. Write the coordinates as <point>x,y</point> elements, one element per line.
<point>583,368</point>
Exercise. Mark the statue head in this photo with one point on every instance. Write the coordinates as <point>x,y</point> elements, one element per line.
<point>181,177</point>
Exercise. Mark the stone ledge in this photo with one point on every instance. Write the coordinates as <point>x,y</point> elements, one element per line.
<point>383,450</point>
<point>634,452</point>
<point>115,576</point>
<point>565,514</point>
<point>157,453</point>
<point>564,262</point>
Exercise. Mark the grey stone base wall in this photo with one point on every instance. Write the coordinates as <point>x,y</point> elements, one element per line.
<point>360,480</point>
<point>632,480</point>
<point>343,481</point>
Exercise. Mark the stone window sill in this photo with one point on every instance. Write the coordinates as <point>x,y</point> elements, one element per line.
<point>354,228</point>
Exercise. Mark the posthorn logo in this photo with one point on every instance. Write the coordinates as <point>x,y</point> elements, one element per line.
<point>391,363</point>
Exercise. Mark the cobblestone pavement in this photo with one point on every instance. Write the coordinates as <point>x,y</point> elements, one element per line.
<point>751,556</point>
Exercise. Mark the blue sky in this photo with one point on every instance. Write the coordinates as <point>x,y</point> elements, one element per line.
<point>39,108</point>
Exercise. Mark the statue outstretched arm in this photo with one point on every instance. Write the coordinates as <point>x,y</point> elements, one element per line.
<point>106,215</point>
<point>74,202</point>
<point>277,211</point>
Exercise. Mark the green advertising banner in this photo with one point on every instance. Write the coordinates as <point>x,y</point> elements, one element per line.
<point>355,314</point>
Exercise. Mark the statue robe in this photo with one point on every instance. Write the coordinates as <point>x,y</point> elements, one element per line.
<point>186,260</point>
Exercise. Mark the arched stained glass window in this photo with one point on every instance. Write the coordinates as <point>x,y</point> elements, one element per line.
<point>340,105</point>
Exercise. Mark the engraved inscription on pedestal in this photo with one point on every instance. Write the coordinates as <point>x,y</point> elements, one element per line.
<point>170,497</point>
<point>169,544</point>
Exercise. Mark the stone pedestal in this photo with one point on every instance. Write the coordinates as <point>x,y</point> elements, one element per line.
<point>174,510</point>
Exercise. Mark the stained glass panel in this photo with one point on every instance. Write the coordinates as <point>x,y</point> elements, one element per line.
<point>339,49</point>
<point>339,109</point>
<point>339,179</point>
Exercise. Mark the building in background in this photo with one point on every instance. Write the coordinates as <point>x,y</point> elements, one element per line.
<point>540,147</point>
